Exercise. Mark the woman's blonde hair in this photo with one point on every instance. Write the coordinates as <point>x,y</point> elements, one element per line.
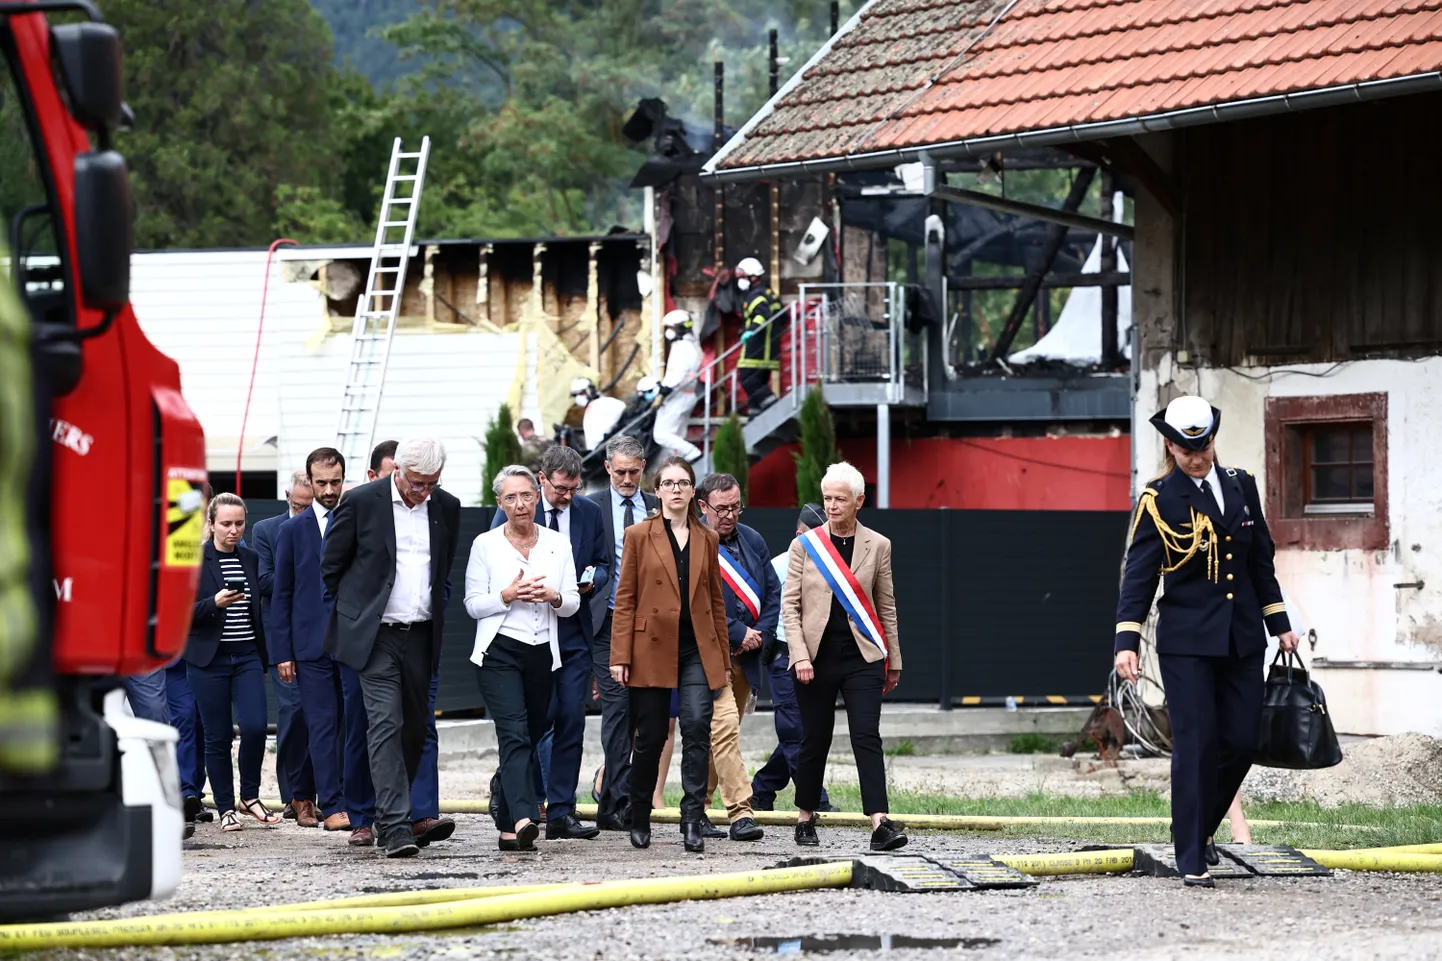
<point>223,499</point>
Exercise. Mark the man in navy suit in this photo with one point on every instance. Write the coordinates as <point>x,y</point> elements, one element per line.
<point>300,610</point>
<point>292,744</point>
<point>579,519</point>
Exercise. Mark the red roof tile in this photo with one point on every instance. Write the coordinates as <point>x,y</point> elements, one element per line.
<point>910,73</point>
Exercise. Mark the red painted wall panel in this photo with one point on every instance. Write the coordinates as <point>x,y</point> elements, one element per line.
<point>981,473</point>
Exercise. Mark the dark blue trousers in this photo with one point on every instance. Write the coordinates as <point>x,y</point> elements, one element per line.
<point>293,772</point>
<point>320,689</point>
<point>560,760</point>
<point>233,682</point>
<point>358,790</point>
<point>780,768</point>
<point>1215,705</point>
<point>426,788</point>
<point>185,718</point>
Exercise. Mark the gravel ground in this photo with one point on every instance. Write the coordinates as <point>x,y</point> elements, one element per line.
<point>1346,916</point>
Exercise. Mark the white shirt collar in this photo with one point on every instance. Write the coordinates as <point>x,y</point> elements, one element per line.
<point>546,505</point>
<point>320,509</point>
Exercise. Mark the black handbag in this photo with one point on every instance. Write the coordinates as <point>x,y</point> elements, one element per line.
<point>1296,729</point>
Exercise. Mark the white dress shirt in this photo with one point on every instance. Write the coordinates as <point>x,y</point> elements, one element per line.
<point>1216,485</point>
<point>492,567</point>
<point>410,600</point>
<point>322,516</point>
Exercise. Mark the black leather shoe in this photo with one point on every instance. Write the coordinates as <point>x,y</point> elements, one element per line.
<point>641,837</point>
<point>708,830</point>
<point>806,833</point>
<point>288,812</point>
<point>493,803</point>
<point>192,808</point>
<point>568,827</point>
<point>526,837</point>
<point>746,829</point>
<point>694,837</point>
<point>1211,854</point>
<point>402,844</point>
<point>1205,881</point>
<point>611,822</point>
<point>888,836</point>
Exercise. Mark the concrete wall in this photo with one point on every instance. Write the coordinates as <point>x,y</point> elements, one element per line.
<point>1349,597</point>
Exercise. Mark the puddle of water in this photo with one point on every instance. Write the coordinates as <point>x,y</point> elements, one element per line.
<point>824,943</point>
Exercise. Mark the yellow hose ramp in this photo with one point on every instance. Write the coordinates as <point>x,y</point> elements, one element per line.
<point>288,922</point>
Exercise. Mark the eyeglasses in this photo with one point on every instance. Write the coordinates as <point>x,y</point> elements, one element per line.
<point>524,497</point>
<point>563,490</point>
<point>726,511</point>
<point>675,485</point>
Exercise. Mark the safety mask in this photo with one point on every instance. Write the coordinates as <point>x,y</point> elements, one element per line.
<point>743,283</point>
<point>670,333</point>
<point>581,400</point>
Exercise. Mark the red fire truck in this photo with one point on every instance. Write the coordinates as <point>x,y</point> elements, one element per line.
<point>118,483</point>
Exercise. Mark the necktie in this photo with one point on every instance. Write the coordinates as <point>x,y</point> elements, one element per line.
<point>555,524</point>
<point>628,518</point>
<point>324,526</point>
<point>1206,489</point>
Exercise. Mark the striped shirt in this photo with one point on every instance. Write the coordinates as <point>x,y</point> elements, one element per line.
<point>237,616</point>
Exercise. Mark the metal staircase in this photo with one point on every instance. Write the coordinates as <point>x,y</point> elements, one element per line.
<point>379,306</point>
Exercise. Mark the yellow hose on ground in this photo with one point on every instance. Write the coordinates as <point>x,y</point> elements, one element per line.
<point>1378,861</point>
<point>210,928</point>
<point>927,822</point>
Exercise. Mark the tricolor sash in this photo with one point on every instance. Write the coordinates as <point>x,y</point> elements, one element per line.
<point>742,584</point>
<point>844,585</point>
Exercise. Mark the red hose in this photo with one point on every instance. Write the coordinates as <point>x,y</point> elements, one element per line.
<point>255,361</point>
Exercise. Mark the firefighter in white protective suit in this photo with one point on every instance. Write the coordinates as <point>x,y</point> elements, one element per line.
<point>678,385</point>
<point>602,413</point>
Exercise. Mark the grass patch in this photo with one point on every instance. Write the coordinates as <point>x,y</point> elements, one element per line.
<point>1033,743</point>
<point>1310,826</point>
<point>901,749</point>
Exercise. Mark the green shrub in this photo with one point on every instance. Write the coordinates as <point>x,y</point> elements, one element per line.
<point>728,452</point>
<point>818,448</point>
<point>503,448</point>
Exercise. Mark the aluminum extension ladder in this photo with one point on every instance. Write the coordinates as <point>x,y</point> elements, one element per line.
<point>378,307</point>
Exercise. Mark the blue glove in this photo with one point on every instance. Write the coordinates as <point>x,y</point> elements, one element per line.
<point>747,336</point>
<point>650,395</point>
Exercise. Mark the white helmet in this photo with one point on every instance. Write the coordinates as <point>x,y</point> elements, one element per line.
<point>750,267</point>
<point>582,390</point>
<point>677,323</point>
<point>647,384</point>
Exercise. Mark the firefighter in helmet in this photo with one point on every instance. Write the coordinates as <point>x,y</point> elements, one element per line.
<point>602,413</point>
<point>760,336</point>
<point>678,386</point>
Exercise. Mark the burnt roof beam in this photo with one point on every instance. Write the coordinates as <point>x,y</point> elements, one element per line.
<point>1056,236</point>
<point>1063,217</point>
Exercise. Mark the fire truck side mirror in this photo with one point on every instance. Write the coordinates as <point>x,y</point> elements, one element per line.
<point>103,229</point>
<point>88,55</point>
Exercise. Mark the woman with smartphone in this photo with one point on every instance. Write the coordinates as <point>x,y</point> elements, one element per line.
<point>225,662</point>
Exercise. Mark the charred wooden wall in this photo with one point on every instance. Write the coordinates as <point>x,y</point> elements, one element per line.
<point>1314,236</point>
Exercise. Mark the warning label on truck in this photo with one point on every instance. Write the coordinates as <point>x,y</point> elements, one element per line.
<point>184,517</point>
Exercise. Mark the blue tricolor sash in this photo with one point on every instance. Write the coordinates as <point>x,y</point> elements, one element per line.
<point>742,584</point>
<point>844,585</point>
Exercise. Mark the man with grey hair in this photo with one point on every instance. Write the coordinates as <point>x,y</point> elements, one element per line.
<point>622,504</point>
<point>292,744</point>
<point>389,548</point>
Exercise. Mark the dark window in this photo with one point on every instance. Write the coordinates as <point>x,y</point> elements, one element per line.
<point>1338,474</point>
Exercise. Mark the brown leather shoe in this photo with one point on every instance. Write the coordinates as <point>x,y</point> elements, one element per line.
<point>339,821</point>
<point>305,814</point>
<point>427,830</point>
<point>362,838</point>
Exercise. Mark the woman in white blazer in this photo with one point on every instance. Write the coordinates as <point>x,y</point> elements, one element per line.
<point>520,580</point>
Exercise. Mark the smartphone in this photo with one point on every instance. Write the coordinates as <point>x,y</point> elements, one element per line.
<point>237,584</point>
<point>588,575</point>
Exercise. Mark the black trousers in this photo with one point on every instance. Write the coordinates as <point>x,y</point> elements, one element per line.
<point>651,719</point>
<point>840,668</point>
<point>395,688</point>
<point>1215,705</point>
<point>616,728</point>
<point>757,384</point>
<point>515,680</point>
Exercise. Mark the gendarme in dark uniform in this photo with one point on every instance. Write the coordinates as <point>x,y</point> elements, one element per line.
<point>1200,527</point>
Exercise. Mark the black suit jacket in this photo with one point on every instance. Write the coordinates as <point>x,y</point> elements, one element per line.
<point>263,536</point>
<point>602,499</point>
<point>1225,592</point>
<point>359,568</point>
<point>207,622</point>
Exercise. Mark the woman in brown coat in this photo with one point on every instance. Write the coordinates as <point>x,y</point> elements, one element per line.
<point>664,639</point>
